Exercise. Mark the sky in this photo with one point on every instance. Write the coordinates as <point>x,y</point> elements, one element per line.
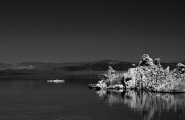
<point>68,31</point>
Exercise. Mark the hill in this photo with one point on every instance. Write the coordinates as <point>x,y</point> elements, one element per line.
<point>40,68</point>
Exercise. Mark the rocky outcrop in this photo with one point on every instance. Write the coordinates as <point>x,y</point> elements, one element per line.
<point>149,75</point>
<point>110,80</point>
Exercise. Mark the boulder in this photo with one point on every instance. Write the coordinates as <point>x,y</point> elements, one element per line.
<point>157,62</point>
<point>181,68</point>
<point>146,60</point>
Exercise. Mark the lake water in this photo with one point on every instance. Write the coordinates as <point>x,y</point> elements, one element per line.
<point>34,99</point>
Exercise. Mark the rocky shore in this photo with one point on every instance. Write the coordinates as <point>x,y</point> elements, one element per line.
<point>149,75</point>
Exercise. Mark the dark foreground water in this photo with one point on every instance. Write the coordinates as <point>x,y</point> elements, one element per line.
<point>30,99</point>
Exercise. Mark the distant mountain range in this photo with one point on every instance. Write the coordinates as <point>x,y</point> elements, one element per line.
<point>39,68</point>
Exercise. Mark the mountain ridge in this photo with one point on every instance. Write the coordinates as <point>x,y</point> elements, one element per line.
<point>100,64</point>
<point>42,68</point>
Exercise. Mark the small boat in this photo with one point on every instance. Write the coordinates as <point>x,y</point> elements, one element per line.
<point>56,81</point>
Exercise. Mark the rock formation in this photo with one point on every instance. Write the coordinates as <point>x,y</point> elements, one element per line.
<point>110,80</point>
<point>148,75</point>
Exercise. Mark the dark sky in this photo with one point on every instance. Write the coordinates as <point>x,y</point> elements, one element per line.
<point>92,30</point>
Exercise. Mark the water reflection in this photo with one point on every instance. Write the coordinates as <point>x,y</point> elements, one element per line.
<point>146,103</point>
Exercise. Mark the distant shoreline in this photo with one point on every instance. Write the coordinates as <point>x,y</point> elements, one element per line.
<point>68,75</point>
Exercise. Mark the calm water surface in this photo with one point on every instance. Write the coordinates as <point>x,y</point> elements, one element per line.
<point>30,99</point>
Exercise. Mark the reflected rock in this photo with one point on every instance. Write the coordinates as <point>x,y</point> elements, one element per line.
<point>147,103</point>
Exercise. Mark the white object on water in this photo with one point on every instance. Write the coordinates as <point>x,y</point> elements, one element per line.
<point>56,81</point>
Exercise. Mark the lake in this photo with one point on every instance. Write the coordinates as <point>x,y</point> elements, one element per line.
<point>32,98</point>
